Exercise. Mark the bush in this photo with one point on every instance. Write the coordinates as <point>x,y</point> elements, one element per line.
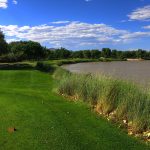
<point>9,58</point>
<point>44,67</point>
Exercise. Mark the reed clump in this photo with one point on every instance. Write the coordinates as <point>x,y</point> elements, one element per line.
<point>123,101</point>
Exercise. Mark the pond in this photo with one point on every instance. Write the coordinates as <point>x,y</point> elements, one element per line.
<point>137,71</point>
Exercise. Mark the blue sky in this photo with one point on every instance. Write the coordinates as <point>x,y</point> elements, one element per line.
<point>78,24</point>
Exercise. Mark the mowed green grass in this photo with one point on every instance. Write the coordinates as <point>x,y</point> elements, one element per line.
<point>46,121</point>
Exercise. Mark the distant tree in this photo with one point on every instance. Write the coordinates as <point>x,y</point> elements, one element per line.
<point>87,54</point>
<point>50,54</point>
<point>141,53</point>
<point>3,44</point>
<point>77,54</point>
<point>120,55</point>
<point>95,54</point>
<point>147,55</point>
<point>114,53</point>
<point>62,53</point>
<point>106,52</point>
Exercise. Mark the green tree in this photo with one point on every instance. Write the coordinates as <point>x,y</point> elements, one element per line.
<point>141,53</point>
<point>114,53</point>
<point>87,54</point>
<point>120,55</point>
<point>50,54</point>
<point>34,50</point>
<point>95,54</point>
<point>3,44</point>
<point>62,53</point>
<point>28,50</point>
<point>77,54</point>
<point>106,52</point>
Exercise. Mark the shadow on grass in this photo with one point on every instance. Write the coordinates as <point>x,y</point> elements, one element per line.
<point>17,66</point>
<point>45,67</point>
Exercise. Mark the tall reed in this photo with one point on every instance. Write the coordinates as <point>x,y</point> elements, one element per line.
<point>126,100</point>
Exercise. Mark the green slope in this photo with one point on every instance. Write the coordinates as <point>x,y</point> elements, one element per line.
<point>45,121</point>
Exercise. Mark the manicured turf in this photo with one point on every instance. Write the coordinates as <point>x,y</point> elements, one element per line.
<point>45,121</point>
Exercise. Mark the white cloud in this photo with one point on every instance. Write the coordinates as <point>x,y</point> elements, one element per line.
<point>141,14</point>
<point>73,34</point>
<point>3,4</point>
<point>88,0</point>
<point>15,2</point>
<point>146,27</point>
<point>61,22</point>
<point>135,35</point>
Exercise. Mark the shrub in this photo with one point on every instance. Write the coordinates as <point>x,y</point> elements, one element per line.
<point>44,67</point>
<point>9,58</point>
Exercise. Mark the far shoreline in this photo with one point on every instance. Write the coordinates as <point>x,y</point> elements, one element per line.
<point>140,59</point>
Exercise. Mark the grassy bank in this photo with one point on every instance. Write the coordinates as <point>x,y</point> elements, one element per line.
<point>80,60</point>
<point>121,101</point>
<point>44,120</point>
<point>61,62</point>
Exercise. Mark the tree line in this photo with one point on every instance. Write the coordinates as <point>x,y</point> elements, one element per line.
<point>30,50</point>
<point>63,53</point>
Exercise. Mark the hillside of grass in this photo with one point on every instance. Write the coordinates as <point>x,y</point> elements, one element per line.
<point>43,120</point>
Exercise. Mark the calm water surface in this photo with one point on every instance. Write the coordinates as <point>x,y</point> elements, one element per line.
<point>137,71</point>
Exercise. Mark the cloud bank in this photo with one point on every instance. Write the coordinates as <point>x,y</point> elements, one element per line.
<point>73,34</point>
<point>146,27</point>
<point>141,14</point>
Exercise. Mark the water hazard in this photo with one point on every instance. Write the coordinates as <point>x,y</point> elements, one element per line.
<point>137,71</point>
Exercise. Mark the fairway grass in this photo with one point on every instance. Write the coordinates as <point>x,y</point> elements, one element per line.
<point>46,121</point>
